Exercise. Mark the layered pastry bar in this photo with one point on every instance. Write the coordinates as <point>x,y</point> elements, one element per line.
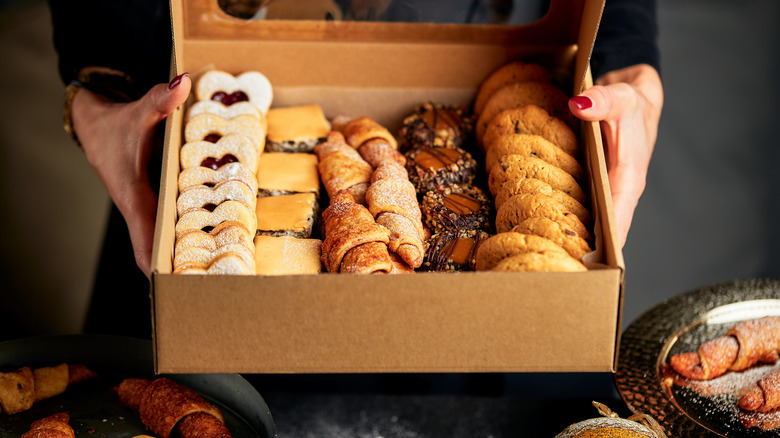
<point>296,128</point>
<point>286,255</point>
<point>281,173</point>
<point>287,215</point>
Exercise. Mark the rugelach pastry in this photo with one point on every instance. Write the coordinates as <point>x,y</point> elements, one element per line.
<point>517,95</point>
<point>287,215</point>
<point>342,168</point>
<point>223,87</point>
<point>281,173</point>
<point>764,396</point>
<point>374,142</point>
<point>286,255</point>
<point>434,168</point>
<point>228,149</point>
<point>532,120</point>
<point>209,198</point>
<point>436,125</point>
<point>523,206</point>
<point>456,208</point>
<point>510,73</point>
<point>518,166</point>
<point>453,250</point>
<point>348,226</point>
<point>165,405</point>
<point>210,127</point>
<point>533,146</point>
<point>392,200</point>
<point>557,232</point>
<point>744,345</point>
<point>53,426</point>
<point>206,176</point>
<point>523,185</point>
<point>205,220</point>
<point>20,388</point>
<point>296,128</point>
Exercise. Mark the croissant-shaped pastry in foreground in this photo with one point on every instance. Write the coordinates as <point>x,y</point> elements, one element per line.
<point>744,345</point>
<point>342,168</point>
<point>54,426</point>
<point>392,199</point>
<point>349,225</point>
<point>763,397</point>
<point>21,388</point>
<point>164,404</point>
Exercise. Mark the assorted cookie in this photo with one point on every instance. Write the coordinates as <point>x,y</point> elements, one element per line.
<point>500,187</point>
<point>534,173</point>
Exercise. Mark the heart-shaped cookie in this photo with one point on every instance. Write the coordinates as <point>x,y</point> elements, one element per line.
<point>225,264</point>
<point>195,255</point>
<point>202,219</point>
<point>210,127</point>
<point>226,233</point>
<point>206,176</point>
<point>226,112</point>
<point>224,87</point>
<point>209,197</point>
<point>228,149</point>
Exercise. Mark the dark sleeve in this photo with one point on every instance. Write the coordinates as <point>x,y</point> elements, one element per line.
<point>628,35</point>
<point>132,36</point>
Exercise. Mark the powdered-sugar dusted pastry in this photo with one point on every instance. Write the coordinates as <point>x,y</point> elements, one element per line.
<point>228,149</point>
<point>210,127</point>
<point>206,176</point>
<point>210,197</point>
<point>195,256</point>
<point>342,168</point>
<point>202,219</point>
<point>225,264</point>
<point>221,86</point>
<point>224,233</point>
<point>226,112</point>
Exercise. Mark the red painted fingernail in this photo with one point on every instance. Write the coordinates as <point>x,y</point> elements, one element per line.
<point>581,102</point>
<point>176,81</point>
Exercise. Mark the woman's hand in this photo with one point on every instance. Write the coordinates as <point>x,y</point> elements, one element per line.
<point>118,139</point>
<point>628,104</point>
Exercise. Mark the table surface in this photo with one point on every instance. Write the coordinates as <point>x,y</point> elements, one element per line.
<point>434,405</point>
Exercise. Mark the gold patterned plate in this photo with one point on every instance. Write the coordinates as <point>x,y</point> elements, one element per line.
<point>682,407</point>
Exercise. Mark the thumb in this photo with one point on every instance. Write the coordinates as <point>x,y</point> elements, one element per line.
<point>163,99</point>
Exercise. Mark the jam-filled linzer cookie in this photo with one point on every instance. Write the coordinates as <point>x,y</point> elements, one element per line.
<point>223,87</point>
<point>432,168</point>
<point>454,250</point>
<point>456,208</point>
<point>436,125</point>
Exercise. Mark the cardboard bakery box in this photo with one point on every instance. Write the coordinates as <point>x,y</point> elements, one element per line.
<point>424,322</point>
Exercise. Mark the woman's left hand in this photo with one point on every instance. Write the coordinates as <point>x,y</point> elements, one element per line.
<point>628,104</point>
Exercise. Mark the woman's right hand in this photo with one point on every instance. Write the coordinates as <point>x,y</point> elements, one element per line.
<point>118,139</point>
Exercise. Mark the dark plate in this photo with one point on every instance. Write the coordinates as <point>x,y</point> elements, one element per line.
<point>95,410</point>
<point>685,408</point>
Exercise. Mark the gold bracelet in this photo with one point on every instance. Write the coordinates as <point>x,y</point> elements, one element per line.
<point>115,86</point>
<point>67,118</point>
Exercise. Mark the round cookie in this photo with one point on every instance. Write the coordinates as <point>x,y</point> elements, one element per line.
<point>521,207</point>
<point>540,262</point>
<point>453,250</point>
<point>557,232</point>
<point>518,186</point>
<point>513,72</point>
<point>519,166</point>
<point>456,208</point>
<point>541,94</point>
<point>436,125</point>
<point>533,146</point>
<point>503,245</point>
<point>531,119</point>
